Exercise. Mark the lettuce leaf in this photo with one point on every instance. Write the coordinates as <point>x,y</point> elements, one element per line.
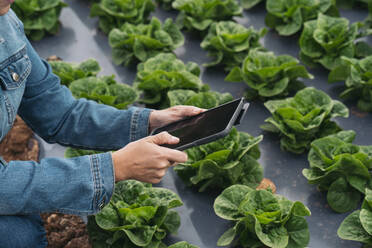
<point>39,17</point>
<point>114,13</point>
<point>301,119</point>
<point>261,219</point>
<point>269,76</point>
<point>138,215</point>
<point>358,80</point>
<point>229,42</point>
<point>164,73</point>
<point>141,42</point>
<point>325,40</point>
<point>104,90</point>
<point>340,168</point>
<point>220,164</point>
<point>200,14</point>
<point>69,72</point>
<point>358,225</point>
<point>288,17</point>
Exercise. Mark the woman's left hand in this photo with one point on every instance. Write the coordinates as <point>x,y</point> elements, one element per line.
<point>160,118</point>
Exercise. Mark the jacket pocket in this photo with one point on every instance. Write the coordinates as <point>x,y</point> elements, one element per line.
<point>15,70</point>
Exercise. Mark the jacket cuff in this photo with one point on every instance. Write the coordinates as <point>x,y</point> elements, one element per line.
<point>103,179</point>
<point>139,127</point>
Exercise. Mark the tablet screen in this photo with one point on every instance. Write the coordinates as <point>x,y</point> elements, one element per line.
<point>202,125</point>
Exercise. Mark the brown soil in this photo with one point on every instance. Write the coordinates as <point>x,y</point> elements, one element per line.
<point>63,231</point>
<point>19,143</point>
<point>266,184</point>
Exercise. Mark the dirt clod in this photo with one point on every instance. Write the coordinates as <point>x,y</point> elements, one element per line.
<point>266,184</point>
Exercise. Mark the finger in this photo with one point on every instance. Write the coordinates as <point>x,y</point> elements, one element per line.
<point>174,156</point>
<point>188,110</point>
<point>163,138</point>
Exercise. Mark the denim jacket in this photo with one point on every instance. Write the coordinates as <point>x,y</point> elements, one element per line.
<point>81,185</point>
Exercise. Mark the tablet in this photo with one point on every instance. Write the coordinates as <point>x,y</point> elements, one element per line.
<point>205,127</point>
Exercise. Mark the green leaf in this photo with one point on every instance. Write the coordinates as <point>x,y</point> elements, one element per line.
<point>352,229</point>
<point>341,197</point>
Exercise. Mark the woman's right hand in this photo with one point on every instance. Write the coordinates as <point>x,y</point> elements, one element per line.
<point>144,160</point>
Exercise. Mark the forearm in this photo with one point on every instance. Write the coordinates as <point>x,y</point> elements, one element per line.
<point>81,185</point>
<point>54,114</point>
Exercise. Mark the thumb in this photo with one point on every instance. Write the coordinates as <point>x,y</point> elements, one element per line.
<point>163,138</point>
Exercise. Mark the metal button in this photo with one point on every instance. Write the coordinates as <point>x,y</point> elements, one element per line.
<point>15,76</point>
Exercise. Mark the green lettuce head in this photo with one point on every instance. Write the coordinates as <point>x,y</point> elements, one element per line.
<point>268,75</point>
<point>114,13</point>
<point>69,72</point>
<point>325,40</point>
<point>229,42</point>
<point>138,215</point>
<point>141,42</point>
<point>357,74</point>
<point>288,17</point>
<point>340,168</point>
<point>163,73</point>
<point>200,14</point>
<point>39,17</point>
<point>303,118</point>
<point>261,219</point>
<point>220,164</point>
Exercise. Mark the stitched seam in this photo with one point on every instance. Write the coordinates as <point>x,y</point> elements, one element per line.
<point>23,76</point>
<point>96,180</point>
<point>17,55</point>
<point>9,109</point>
<point>133,125</point>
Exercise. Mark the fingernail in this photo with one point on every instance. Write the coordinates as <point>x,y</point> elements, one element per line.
<point>174,139</point>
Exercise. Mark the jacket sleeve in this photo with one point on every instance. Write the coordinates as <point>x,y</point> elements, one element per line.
<point>80,186</point>
<point>53,113</point>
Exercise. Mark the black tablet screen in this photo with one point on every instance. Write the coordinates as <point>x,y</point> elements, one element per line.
<point>202,125</point>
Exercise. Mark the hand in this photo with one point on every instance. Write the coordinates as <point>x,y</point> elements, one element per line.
<point>160,118</point>
<point>144,160</point>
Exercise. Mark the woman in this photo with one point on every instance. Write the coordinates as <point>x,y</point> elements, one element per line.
<point>81,185</point>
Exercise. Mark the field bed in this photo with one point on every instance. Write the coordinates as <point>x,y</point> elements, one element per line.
<point>80,39</point>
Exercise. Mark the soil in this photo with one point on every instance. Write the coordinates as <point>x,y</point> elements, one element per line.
<point>63,231</point>
<point>267,184</point>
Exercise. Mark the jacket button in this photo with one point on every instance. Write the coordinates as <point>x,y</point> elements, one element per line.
<point>15,76</point>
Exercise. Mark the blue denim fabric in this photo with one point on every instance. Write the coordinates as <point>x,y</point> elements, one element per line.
<point>24,231</point>
<point>81,185</point>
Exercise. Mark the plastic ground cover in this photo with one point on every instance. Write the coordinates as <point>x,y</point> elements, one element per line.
<point>80,39</point>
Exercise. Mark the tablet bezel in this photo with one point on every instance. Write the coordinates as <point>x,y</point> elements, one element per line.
<point>239,113</point>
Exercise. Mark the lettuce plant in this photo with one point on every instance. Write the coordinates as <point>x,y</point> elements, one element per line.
<point>303,118</point>
<point>248,4</point>
<point>340,168</point>
<point>288,17</point>
<point>69,72</point>
<point>357,75</point>
<point>206,100</point>
<point>358,225</point>
<point>114,13</point>
<point>222,163</point>
<point>164,73</point>
<point>104,90</point>
<point>261,219</point>
<point>229,42</point>
<point>327,39</point>
<point>143,41</point>
<point>200,14</point>
<point>268,75</point>
<point>182,244</point>
<point>39,17</point>
<point>138,215</point>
